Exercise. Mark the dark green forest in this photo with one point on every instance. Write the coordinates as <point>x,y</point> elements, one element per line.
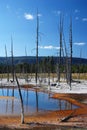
<point>45,65</point>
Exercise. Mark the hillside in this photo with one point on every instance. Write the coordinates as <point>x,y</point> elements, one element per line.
<point>32,59</point>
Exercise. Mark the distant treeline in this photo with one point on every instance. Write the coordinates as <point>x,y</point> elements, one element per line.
<point>45,65</point>
<point>32,60</point>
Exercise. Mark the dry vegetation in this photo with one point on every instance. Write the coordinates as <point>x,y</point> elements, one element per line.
<point>52,75</point>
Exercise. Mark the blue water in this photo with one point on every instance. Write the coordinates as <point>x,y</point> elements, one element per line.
<point>34,102</point>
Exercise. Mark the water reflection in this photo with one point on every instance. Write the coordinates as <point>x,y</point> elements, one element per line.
<point>34,101</point>
<point>9,107</point>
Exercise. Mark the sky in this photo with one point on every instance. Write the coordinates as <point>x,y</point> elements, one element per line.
<point>18,20</point>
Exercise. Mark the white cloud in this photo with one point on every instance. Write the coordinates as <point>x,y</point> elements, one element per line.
<point>39,15</point>
<point>84,19</point>
<point>80,43</point>
<point>49,47</point>
<point>76,18</point>
<point>77,11</point>
<point>28,16</point>
<point>58,12</point>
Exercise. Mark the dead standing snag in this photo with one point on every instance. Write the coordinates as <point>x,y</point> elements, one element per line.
<point>21,99</point>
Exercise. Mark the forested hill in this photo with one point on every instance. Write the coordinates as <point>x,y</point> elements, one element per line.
<point>32,60</point>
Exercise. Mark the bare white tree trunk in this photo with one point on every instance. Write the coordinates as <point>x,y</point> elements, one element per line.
<point>21,99</point>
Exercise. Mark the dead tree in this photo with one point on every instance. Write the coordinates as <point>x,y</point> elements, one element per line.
<point>70,62</point>
<point>7,64</point>
<point>66,118</point>
<point>12,59</point>
<point>60,51</point>
<point>21,99</point>
<point>65,60</point>
<point>79,65</point>
<point>26,73</point>
<point>48,69</point>
<point>37,34</point>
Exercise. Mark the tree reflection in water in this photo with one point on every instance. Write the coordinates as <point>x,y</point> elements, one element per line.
<point>34,101</point>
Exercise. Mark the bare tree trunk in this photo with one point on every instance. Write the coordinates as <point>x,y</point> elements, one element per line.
<point>60,52</point>
<point>79,64</point>
<point>21,99</point>
<point>26,72</point>
<point>48,70</point>
<point>7,64</point>
<point>70,67</point>
<point>66,60</point>
<point>12,58</point>
<point>37,48</point>
<point>12,64</point>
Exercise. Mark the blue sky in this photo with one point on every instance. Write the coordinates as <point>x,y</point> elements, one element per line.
<point>18,19</point>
